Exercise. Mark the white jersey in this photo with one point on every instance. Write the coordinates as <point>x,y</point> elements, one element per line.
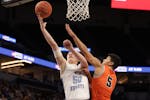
<point>76,86</point>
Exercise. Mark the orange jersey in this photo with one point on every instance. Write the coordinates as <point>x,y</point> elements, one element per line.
<point>103,86</point>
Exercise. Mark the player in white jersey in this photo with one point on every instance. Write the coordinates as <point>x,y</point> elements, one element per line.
<point>75,83</point>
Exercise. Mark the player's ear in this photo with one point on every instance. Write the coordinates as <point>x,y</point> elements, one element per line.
<point>111,63</point>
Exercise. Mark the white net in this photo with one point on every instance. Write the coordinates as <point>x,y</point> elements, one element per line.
<point>77,10</point>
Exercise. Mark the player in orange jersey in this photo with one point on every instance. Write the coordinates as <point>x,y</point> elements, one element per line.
<point>104,79</point>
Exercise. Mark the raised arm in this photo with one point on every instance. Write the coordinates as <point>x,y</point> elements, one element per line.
<point>82,60</point>
<point>67,44</point>
<point>91,59</point>
<point>61,61</point>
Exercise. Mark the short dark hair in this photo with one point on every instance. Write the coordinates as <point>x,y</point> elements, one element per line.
<point>115,59</point>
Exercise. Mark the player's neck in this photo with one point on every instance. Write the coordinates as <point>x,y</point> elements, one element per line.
<point>111,67</point>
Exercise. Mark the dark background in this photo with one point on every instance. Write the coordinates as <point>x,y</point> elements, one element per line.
<point>122,31</point>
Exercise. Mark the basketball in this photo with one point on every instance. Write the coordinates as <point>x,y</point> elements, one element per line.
<point>43,8</point>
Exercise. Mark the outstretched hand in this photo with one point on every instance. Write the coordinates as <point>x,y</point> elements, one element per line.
<point>67,26</point>
<point>41,22</point>
<point>67,44</point>
<point>69,30</point>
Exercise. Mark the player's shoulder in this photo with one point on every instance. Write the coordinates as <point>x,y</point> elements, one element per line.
<point>109,70</point>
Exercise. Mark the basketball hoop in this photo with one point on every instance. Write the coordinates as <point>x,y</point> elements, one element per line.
<point>77,10</point>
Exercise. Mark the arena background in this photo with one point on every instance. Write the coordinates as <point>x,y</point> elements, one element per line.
<point>122,31</point>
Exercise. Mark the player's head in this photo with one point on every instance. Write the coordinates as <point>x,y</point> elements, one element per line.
<point>71,58</point>
<point>112,60</point>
